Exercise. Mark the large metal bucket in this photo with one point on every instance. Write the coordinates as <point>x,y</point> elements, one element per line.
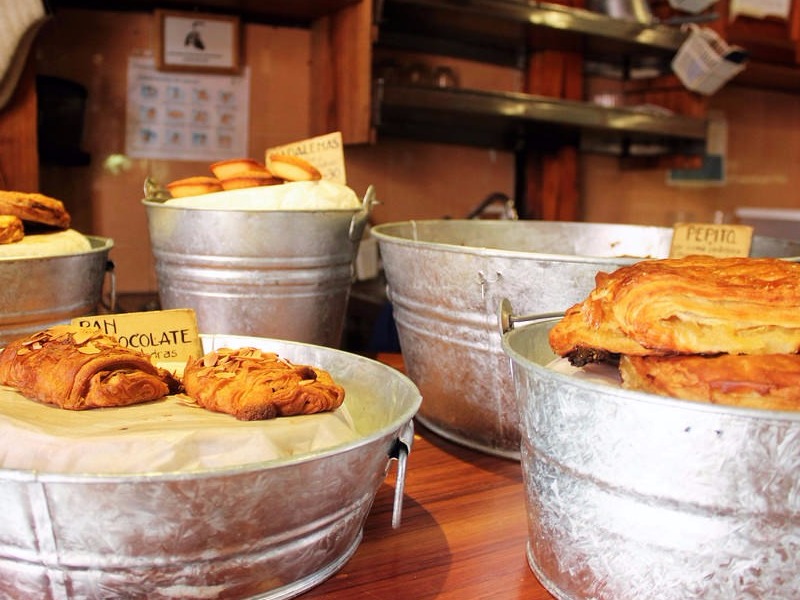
<point>633,496</point>
<point>38,292</point>
<point>269,530</point>
<point>283,274</point>
<point>446,280</point>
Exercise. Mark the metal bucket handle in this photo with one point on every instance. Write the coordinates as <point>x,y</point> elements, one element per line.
<point>399,452</point>
<point>508,319</point>
<point>111,278</point>
<point>359,219</point>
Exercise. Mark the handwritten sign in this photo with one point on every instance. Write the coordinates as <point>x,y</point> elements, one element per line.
<point>325,152</point>
<point>165,335</point>
<point>711,240</point>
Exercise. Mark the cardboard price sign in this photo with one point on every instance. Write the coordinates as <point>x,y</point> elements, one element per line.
<point>165,335</point>
<point>325,152</point>
<point>710,239</point>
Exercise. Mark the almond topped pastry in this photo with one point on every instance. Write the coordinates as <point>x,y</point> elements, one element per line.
<point>251,384</point>
<point>78,368</point>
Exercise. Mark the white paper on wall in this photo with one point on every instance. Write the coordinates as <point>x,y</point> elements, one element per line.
<point>185,116</point>
<point>760,9</point>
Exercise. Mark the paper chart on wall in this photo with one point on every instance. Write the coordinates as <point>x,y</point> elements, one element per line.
<point>185,116</point>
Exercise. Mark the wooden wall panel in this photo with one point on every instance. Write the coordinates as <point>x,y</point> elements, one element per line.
<point>19,157</point>
<point>341,73</point>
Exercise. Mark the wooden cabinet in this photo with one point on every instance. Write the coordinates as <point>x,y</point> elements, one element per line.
<point>501,32</point>
<point>544,124</point>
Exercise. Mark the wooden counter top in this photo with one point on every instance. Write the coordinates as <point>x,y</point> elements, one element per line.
<point>462,536</point>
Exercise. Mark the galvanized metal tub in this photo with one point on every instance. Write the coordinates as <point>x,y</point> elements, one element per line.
<point>446,279</point>
<point>272,273</point>
<point>269,530</point>
<point>636,496</point>
<point>38,292</point>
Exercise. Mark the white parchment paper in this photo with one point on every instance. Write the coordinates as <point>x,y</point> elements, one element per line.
<point>163,436</point>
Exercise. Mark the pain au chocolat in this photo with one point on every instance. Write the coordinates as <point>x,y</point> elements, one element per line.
<point>80,368</point>
<point>692,305</point>
<point>251,385</point>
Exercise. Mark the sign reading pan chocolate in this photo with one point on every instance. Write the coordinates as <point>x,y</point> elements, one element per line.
<point>165,335</point>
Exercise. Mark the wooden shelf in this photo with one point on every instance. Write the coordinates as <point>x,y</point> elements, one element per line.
<point>504,31</point>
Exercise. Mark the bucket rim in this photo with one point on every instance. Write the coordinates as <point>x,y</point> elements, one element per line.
<point>383,233</point>
<point>198,209</point>
<point>99,245</point>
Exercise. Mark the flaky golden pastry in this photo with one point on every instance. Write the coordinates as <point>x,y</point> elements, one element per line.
<point>11,229</point>
<point>251,384</point>
<point>767,381</point>
<point>692,305</point>
<point>35,208</point>
<point>79,368</point>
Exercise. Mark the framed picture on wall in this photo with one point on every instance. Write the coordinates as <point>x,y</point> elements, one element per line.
<point>199,42</point>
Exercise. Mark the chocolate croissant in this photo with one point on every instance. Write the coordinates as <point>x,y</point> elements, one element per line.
<point>79,368</point>
<point>692,305</point>
<point>251,385</point>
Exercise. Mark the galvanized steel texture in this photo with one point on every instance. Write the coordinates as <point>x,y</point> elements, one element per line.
<point>38,292</point>
<point>636,496</point>
<point>268,530</point>
<point>446,279</point>
<point>271,273</point>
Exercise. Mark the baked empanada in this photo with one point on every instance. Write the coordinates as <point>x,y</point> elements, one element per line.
<point>78,368</point>
<point>251,384</point>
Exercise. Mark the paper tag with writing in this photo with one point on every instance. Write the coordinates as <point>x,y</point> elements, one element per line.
<point>165,335</point>
<point>325,152</point>
<point>710,239</point>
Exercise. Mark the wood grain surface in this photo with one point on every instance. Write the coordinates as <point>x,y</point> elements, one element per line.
<point>462,536</point>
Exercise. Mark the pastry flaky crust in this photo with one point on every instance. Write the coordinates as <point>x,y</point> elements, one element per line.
<point>766,381</point>
<point>11,229</point>
<point>251,384</point>
<point>692,305</point>
<point>79,368</point>
<point>35,208</point>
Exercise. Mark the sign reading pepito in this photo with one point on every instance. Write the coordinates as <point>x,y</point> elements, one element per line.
<point>165,335</point>
<point>710,239</point>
